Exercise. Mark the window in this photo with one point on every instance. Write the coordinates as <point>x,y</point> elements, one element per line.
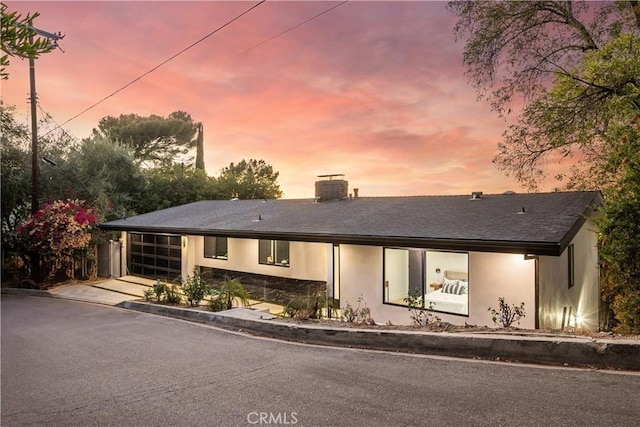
<point>439,279</point>
<point>274,252</point>
<point>215,247</point>
<point>571,265</point>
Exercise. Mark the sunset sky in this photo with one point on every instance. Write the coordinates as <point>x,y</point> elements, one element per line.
<point>372,90</point>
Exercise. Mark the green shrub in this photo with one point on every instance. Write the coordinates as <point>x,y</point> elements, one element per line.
<point>159,289</point>
<point>505,315</point>
<point>627,309</point>
<point>294,307</point>
<point>171,295</point>
<point>309,307</point>
<point>216,303</point>
<point>195,288</point>
<point>359,315</point>
<point>148,294</point>
<point>420,315</point>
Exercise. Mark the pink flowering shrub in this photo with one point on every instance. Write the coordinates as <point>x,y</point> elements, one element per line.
<point>59,235</point>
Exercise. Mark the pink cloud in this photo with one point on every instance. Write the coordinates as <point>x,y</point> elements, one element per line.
<point>374,90</point>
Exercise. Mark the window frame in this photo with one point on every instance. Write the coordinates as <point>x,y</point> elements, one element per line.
<point>217,248</point>
<point>271,252</point>
<point>425,285</point>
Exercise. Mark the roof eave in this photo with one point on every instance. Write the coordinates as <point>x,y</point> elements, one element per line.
<point>515,247</point>
<point>589,212</point>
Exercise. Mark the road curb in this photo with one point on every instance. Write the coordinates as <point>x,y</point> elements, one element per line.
<point>559,351</point>
<point>24,291</point>
<point>45,293</point>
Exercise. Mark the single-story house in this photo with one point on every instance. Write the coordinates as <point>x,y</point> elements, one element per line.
<point>458,253</point>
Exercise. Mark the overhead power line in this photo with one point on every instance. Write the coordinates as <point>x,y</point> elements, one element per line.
<point>199,41</point>
<point>46,113</point>
<point>293,28</point>
<point>165,61</point>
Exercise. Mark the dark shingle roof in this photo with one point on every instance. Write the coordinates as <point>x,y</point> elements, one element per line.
<point>491,223</point>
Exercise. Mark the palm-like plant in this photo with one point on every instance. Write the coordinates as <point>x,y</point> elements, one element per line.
<point>232,291</point>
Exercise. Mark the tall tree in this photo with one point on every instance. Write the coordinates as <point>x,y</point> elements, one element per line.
<point>107,176</point>
<point>575,65</point>
<point>253,179</point>
<point>200,150</point>
<point>174,185</point>
<point>15,181</point>
<point>619,225</point>
<point>18,39</point>
<point>153,139</point>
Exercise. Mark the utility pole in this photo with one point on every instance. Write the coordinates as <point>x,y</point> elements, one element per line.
<point>35,164</point>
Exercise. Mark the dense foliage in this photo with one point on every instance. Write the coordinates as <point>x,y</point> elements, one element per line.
<point>154,139</point>
<point>253,179</point>
<point>59,239</point>
<point>15,177</point>
<point>575,67</point>
<point>619,226</point>
<point>98,170</point>
<point>174,185</point>
<point>108,176</point>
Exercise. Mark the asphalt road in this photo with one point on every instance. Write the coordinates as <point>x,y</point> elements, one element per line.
<point>72,363</point>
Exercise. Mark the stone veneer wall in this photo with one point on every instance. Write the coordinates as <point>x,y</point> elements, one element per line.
<point>274,289</point>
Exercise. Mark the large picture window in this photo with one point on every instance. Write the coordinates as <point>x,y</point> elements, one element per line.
<point>215,247</point>
<point>274,252</point>
<point>439,279</point>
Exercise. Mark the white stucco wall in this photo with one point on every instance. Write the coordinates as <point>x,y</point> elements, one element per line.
<point>583,297</point>
<point>494,275</point>
<point>124,254</point>
<point>490,276</point>
<point>188,255</point>
<point>308,261</point>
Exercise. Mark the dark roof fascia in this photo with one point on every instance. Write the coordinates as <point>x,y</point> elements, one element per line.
<point>524,247</point>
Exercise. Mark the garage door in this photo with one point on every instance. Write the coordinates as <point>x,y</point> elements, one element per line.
<point>154,255</point>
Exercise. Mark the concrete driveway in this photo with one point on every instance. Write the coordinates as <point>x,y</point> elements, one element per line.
<point>107,291</point>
